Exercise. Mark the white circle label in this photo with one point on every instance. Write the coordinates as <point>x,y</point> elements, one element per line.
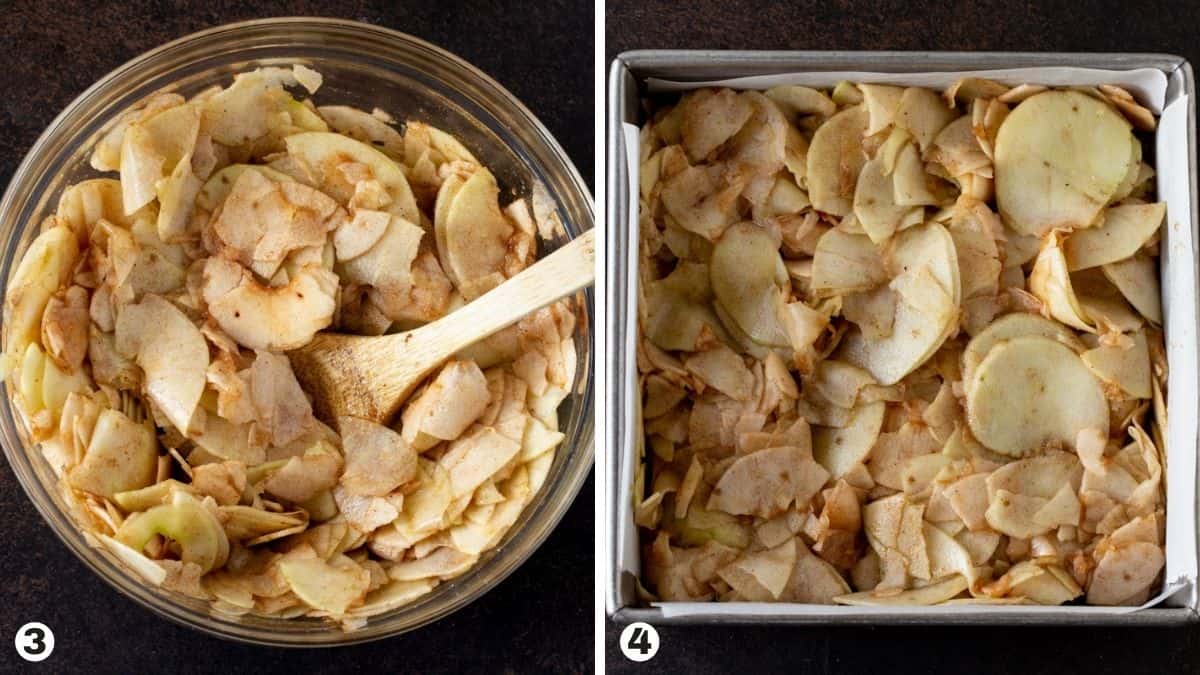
<point>639,642</point>
<point>34,641</point>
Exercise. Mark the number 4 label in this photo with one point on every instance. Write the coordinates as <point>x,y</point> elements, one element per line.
<point>639,642</point>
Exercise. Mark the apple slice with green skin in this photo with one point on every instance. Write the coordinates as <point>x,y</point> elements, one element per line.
<point>303,116</point>
<point>185,521</point>
<point>323,152</point>
<point>1060,156</point>
<point>45,267</point>
<point>122,456</point>
<point>150,570</point>
<point>150,496</point>
<point>247,523</point>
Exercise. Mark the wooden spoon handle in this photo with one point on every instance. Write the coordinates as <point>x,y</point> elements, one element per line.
<point>370,377</point>
<point>558,275</point>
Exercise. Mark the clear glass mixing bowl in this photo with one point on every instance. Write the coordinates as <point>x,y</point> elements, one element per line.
<point>364,66</point>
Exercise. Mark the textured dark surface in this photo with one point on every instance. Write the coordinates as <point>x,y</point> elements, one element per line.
<point>541,618</point>
<point>918,25</point>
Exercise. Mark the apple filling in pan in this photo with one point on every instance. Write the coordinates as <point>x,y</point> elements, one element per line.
<point>146,324</point>
<point>900,348</point>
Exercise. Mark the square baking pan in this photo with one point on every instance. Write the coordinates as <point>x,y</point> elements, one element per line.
<point>1164,81</point>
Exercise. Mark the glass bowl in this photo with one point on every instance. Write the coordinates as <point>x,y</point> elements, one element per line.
<point>364,66</point>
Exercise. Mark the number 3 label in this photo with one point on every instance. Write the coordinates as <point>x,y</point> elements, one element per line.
<point>34,641</point>
<point>639,642</point>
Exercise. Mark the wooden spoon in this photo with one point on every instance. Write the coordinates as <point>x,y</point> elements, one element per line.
<point>371,377</point>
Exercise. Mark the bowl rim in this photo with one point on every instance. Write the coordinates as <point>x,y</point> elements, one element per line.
<point>568,482</point>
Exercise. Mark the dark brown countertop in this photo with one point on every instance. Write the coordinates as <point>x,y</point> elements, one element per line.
<point>916,25</point>
<point>539,619</point>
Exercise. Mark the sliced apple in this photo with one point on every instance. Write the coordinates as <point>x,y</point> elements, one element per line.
<point>839,450</point>
<point>452,402</point>
<point>1127,369</point>
<point>262,317</point>
<point>420,138</point>
<point>121,456</point>
<point>1124,230</point>
<point>711,117</point>
<point>1007,327</point>
<point>797,101</point>
<point>761,576</point>
<point>678,308</point>
<point>365,127</point>
<point>957,149</point>
<point>1060,156</point>
<point>1030,391</point>
<point>923,114</point>
<point>702,199</point>
<point>875,205</point>
<point>174,356</point>
<point>327,586</point>
<point>244,523</point>
<point>219,185</point>
<point>185,521</point>
<point>473,237</point>
<point>835,160</point>
<point>765,482</point>
<point>46,265</point>
<point>933,594</point>
<point>85,203</point>
<point>1137,279</point>
<point>1050,281</point>
<point>152,148</point>
<point>910,181</point>
<point>928,291</point>
<point>882,101</point>
<point>749,282</point>
<point>1125,571</point>
<point>846,263</point>
<point>388,263</point>
<point>760,146</point>
<point>324,152</point>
